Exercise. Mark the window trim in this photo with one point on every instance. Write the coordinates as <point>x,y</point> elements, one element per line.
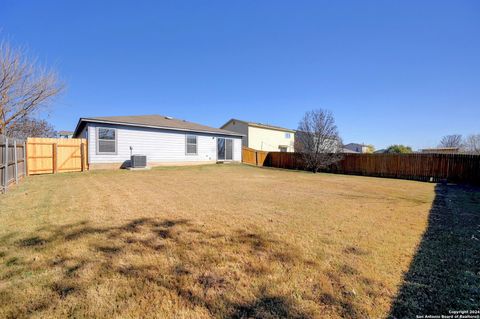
<point>97,141</point>
<point>186,144</point>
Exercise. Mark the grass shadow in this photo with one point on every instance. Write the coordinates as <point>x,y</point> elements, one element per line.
<point>445,272</point>
<point>190,266</point>
<point>268,306</point>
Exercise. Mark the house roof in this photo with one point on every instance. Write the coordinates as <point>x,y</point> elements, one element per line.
<point>356,144</point>
<point>65,132</point>
<point>153,121</point>
<point>441,150</point>
<point>346,150</point>
<point>261,125</point>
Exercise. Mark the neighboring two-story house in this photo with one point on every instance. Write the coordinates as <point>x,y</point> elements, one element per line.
<point>263,136</point>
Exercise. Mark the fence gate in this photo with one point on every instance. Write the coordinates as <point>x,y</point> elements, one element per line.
<point>56,155</point>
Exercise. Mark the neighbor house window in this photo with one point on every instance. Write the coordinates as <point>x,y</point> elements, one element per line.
<point>282,148</point>
<point>287,135</point>
<point>191,145</point>
<point>106,140</point>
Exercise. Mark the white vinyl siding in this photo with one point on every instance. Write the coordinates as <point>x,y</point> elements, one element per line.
<point>158,145</point>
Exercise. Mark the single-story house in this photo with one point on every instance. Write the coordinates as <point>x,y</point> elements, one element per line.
<point>263,137</point>
<point>162,139</point>
<point>357,148</point>
<point>441,150</point>
<point>65,134</point>
<point>348,151</point>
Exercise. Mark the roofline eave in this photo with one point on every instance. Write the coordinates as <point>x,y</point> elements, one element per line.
<point>87,120</point>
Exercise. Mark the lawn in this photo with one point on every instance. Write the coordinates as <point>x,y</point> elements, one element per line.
<point>233,241</point>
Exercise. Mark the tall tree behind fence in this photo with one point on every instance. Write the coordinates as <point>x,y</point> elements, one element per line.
<point>12,161</point>
<point>459,168</point>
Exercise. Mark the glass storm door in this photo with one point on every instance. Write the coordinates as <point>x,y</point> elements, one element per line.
<point>224,149</point>
<point>228,149</point>
<point>220,149</point>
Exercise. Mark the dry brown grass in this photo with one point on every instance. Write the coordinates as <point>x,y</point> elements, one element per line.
<point>207,241</point>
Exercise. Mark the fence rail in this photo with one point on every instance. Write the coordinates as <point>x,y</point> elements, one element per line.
<point>458,168</point>
<point>12,161</point>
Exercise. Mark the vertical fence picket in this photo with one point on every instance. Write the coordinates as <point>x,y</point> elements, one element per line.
<point>2,162</point>
<point>5,167</point>
<point>54,158</point>
<point>15,161</point>
<point>25,159</point>
<point>10,162</point>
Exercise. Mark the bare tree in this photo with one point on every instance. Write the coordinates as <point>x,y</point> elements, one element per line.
<point>318,140</point>
<point>472,144</point>
<point>25,87</point>
<point>30,127</point>
<point>454,140</point>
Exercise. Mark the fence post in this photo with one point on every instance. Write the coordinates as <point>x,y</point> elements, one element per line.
<point>2,140</point>
<point>82,157</point>
<point>24,159</point>
<point>5,167</point>
<point>15,160</point>
<point>54,158</point>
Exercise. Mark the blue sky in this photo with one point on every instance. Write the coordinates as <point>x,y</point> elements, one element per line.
<point>390,71</point>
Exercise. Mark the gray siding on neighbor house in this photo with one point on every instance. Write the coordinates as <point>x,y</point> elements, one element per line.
<point>159,145</point>
<point>238,127</point>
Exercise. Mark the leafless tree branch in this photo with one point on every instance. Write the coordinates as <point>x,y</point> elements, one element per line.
<point>472,144</point>
<point>30,127</point>
<point>25,87</point>
<point>454,140</point>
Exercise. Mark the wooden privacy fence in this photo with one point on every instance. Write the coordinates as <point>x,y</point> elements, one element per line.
<point>12,161</point>
<point>254,157</point>
<point>459,168</point>
<point>56,155</point>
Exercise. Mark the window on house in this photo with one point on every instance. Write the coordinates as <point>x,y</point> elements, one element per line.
<point>282,148</point>
<point>106,140</point>
<point>191,145</point>
<point>287,135</point>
